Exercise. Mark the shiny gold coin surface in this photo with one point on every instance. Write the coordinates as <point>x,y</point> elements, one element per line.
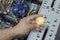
<point>40,20</point>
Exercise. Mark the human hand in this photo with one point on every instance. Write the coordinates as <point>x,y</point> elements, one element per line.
<point>27,24</point>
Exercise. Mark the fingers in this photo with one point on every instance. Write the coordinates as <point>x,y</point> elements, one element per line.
<point>38,27</point>
<point>34,17</point>
<point>32,22</point>
<point>41,27</point>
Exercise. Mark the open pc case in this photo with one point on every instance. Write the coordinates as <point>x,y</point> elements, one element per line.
<point>11,11</point>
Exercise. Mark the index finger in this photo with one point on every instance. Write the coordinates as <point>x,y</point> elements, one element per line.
<point>34,16</point>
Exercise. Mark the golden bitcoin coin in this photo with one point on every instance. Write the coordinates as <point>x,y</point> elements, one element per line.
<point>40,20</point>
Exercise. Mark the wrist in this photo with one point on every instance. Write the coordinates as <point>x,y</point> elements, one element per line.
<point>16,31</point>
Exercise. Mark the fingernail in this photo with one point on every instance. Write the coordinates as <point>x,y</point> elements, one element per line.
<point>37,29</point>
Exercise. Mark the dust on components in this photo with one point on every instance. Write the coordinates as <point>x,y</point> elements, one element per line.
<point>11,11</point>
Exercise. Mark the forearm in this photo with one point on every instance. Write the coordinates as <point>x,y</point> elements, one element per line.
<point>9,33</point>
<point>6,34</point>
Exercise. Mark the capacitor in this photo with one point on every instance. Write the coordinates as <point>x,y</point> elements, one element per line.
<point>40,20</point>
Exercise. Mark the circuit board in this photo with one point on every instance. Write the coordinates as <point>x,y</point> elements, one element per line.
<point>11,11</point>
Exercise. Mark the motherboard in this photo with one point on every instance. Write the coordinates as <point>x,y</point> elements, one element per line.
<point>12,11</point>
